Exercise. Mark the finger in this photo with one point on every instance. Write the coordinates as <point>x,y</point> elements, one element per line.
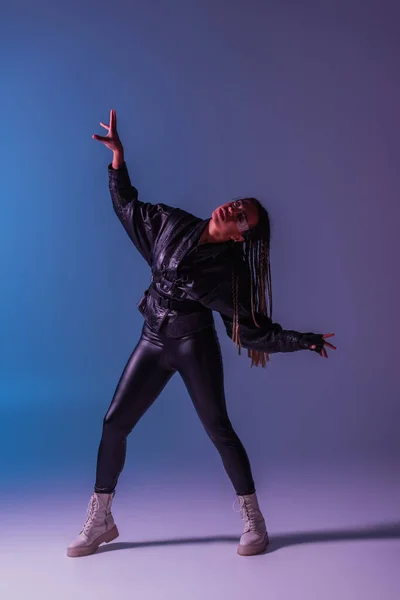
<point>104,125</point>
<point>113,120</point>
<point>330,345</point>
<point>325,352</point>
<point>100,138</point>
<point>326,335</point>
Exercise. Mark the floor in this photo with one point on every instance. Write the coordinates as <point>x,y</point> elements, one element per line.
<point>335,534</point>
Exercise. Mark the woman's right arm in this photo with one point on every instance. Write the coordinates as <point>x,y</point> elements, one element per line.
<point>141,220</point>
<point>118,159</point>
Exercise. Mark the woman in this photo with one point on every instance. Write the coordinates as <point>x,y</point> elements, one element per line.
<point>198,266</point>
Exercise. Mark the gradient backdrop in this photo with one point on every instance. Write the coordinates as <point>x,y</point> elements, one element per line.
<point>295,103</point>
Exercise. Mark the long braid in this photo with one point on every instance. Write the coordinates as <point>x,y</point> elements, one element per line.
<point>256,253</point>
<point>235,295</point>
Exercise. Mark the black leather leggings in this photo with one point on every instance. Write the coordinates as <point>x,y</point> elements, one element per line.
<point>197,358</point>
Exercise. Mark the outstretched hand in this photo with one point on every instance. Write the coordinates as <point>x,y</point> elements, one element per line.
<point>323,351</point>
<point>111,140</point>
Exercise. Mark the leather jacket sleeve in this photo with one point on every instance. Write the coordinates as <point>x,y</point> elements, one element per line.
<point>269,336</point>
<point>142,220</point>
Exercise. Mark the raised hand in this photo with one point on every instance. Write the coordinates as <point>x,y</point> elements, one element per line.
<point>323,351</point>
<point>111,140</point>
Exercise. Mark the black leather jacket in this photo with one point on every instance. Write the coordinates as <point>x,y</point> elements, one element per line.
<point>191,281</point>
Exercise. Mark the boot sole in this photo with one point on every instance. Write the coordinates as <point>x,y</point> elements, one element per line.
<point>253,548</point>
<point>106,537</point>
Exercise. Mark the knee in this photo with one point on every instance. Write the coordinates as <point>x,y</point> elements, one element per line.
<point>222,433</point>
<point>115,425</point>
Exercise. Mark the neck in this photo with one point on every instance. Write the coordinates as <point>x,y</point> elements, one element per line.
<point>211,235</point>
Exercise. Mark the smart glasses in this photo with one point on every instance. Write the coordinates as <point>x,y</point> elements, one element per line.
<point>240,215</point>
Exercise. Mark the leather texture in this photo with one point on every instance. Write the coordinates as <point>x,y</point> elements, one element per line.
<point>197,358</point>
<point>190,280</point>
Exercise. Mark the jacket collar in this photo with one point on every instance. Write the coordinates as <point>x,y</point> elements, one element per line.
<point>181,235</point>
<point>182,231</point>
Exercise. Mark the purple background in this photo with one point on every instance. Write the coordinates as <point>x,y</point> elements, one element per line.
<point>293,102</point>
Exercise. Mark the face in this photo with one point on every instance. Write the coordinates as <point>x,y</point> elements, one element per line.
<point>230,219</point>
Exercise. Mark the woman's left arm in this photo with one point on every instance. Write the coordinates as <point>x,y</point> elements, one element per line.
<point>268,336</point>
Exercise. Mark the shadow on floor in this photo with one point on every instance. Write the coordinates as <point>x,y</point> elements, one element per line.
<point>372,532</point>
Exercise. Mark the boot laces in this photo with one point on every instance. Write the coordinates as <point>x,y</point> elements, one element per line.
<point>90,514</point>
<point>247,512</point>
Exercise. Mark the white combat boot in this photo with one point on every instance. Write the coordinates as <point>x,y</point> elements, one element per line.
<point>99,527</point>
<point>254,539</point>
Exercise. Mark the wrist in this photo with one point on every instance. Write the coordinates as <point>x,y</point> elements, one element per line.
<point>118,158</point>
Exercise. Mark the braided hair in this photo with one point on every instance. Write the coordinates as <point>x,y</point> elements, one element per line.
<point>255,251</point>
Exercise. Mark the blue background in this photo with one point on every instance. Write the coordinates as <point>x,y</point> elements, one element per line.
<point>295,103</point>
